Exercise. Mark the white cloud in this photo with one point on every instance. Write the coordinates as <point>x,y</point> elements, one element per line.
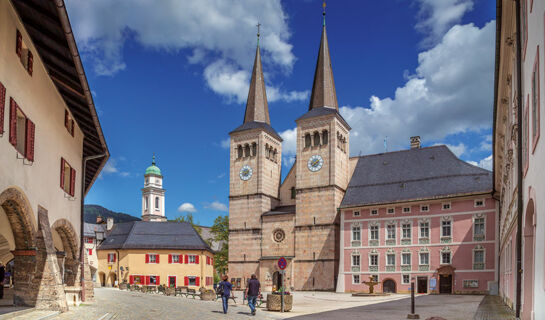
<point>187,207</point>
<point>485,163</point>
<point>216,205</point>
<point>289,146</point>
<point>219,34</point>
<point>437,16</point>
<point>458,150</point>
<point>111,167</point>
<point>450,93</point>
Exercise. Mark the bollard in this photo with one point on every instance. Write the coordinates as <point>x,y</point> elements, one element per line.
<point>412,315</point>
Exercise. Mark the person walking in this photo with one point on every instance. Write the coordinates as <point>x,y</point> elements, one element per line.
<point>2,276</point>
<point>253,290</point>
<point>224,289</point>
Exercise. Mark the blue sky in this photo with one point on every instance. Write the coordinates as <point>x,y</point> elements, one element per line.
<point>172,79</point>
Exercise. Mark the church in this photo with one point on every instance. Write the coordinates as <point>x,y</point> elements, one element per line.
<point>305,217</point>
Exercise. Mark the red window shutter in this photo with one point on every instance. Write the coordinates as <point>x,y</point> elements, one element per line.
<point>29,145</point>
<point>2,105</point>
<point>157,280</point>
<point>186,259</point>
<point>147,258</point>
<point>62,173</point>
<point>115,257</point>
<point>197,259</point>
<point>66,119</point>
<point>169,258</point>
<point>13,122</point>
<point>30,62</point>
<point>131,280</point>
<point>186,281</point>
<point>156,258</point>
<point>197,282</point>
<point>147,280</point>
<point>19,44</point>
<point>72,127</point>
<point>72,182</point>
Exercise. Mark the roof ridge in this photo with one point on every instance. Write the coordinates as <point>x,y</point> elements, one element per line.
<point>420,179</point>
<point>398,151</point>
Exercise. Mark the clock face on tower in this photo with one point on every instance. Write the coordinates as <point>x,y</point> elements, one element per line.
<point>315,163</point>
<point>245,172</point>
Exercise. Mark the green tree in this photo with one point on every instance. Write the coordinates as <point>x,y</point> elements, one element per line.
<point>189,218</point>
<point>220,230</point>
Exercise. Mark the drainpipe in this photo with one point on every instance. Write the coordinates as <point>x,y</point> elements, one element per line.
<point>82,221</point>
<point>519,160</point>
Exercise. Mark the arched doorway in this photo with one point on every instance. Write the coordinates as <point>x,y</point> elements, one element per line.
<point>112,277</point>
<point>389,286</point>
<point>446,278</point>
<point>528,262</point>
<point>102,277</point>
<point>70,262</point>
<point>277,280</point>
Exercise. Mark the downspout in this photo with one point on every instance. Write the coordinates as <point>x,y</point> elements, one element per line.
<point>519,161</point>
<point>82,222</point>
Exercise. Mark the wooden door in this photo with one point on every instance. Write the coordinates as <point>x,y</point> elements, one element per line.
<point>445,283</point>
<point>422,285</point>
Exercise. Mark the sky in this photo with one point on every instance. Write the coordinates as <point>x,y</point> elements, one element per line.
<point>172,80</point>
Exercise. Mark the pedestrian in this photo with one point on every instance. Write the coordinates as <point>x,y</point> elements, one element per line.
<point>224,289</point>
<point>253,290</point>
<point>2,274</point>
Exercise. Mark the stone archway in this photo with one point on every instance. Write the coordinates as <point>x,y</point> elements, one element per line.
<point>445,276</point>
<point>528,262</point>
<point>112,278</point>
<point>102,278</point>
<point>70,244</point>
<point>389,286</point>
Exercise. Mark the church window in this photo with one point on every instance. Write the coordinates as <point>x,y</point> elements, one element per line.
<point>254,149</point>
<point>293,192</point>
<point>307,140</point>
<point>247,150</point>
<point>316,139</point>
<point>279,235</point>
<point>239,151</point>
<point>325,137</point>
<point>156,203</point>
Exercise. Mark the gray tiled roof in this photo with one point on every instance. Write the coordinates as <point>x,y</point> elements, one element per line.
<point>322,111</point>
<point>280,210</point>
<point>154,235</point>
<point>426,173</point>
<point>90,228</point>
<point>258,125</point>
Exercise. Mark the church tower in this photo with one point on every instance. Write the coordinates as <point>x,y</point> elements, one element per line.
<point>321,180</point>
<point>255,163</point>
<point>153,195</point>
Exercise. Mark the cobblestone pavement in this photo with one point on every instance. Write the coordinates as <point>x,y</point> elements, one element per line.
<point>493,308</point>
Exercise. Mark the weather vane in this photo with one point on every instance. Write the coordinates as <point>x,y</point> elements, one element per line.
<point>323,13</point>
<point>258,34</point>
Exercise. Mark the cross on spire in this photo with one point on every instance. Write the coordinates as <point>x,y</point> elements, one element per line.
<point>323,13</point>
<point>258,34</point>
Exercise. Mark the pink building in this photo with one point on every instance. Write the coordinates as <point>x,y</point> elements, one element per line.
<point>422,215</point>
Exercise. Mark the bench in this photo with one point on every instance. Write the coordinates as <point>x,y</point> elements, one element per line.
<point>193,293</point>
<point>180,291</point>
<point>258,302</point>
<point>231,297</point>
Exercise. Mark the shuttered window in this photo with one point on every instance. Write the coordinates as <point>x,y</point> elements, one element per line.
<point>21,131</point>
<point>68,122</point>
<point>2,107</point>
<point>24,53</point>
<point>68,178</point>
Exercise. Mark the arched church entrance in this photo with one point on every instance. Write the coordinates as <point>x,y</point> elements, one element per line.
<point>389,286</point>
<point>68,256</point>
<point>528,265</point>
<point>277,280</point>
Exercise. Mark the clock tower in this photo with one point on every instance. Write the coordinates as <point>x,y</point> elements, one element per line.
<point>255,163</point>
<point>153,195</point>
<point>321,180</point>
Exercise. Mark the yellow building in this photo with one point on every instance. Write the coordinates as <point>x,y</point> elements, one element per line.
<point>155,253</point>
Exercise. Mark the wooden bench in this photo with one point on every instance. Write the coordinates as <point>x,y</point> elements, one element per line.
<point>258,302</point>
<point>193,293</point>
<point>182,291</point>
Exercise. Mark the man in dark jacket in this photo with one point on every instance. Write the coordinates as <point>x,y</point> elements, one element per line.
<point>253,290</point>
<point>2,276</point>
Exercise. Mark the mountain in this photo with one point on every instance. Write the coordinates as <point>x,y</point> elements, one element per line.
<point>92,211</point>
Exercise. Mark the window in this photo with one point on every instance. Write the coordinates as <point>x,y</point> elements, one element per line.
<point>374,212</point>
<point>325,137</point>
<point>406,279</point>
<point>254,149</point>
<point>293,192</point>
<point>478,258</point>
<point>356,213</point>
<point>479,203</point>
<point>390,210</point>
<point>21,131</point>
<point>373,232</point>
<point>406,228</point>
<point>239,151</point>
<point>445,257</point>
<point>373,259</point>
<point>68,178</point>
<point>316,139</point>
<point>153,280</point>
<point>406,258</point>
<point>156,203</point>
<point>424,229</point>
<point>535,102</point>
<point>25,55</point>
<point>375,277</point>
<point>89,240</point>
<point>152,258</point>
<point>424,258</point>
<point>391,232</point>
<point>406,209</point>
<point>246,150</point>
<point>175,258</point>
<point>192,281</point>
<point>356,260</point>
<point>478,228</point>
<point>192,259</point>
<point>307,140</point>
<point>424,208</point>
<point>446,206</point>
<point>111,257</point>
<point>356,233</point>
<point>391,259</point>
<point>355,279</point>
<point>446,228</point>
<point>68,122</point>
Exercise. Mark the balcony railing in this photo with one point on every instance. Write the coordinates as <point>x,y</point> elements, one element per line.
<point>478,266</point>
<point>423,267</point>
<point>355,268</point>
<point>373,268</point>
<point>356,243</point>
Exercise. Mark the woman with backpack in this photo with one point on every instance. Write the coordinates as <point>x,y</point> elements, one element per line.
<point>224,289</point>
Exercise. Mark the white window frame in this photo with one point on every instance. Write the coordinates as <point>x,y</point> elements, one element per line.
<point>446,203</point>
<point>375,277</point>
<point>373,210</point>
<point>175,255</point>
<point>389,254</point>
<point>426,207</point>
<point>479,206</point>
<point>420,258</point>
<point>482,248</point>
<point>387,233</point>
<point>191,259</point>
<point>111,255</point>
<point>373,254</point>
<point>356,213</point>
<point>441,256</point>
<point>420,229</point>
<point>355,226</point>
<point>154,255</point>
<point>352,260</point>
<point>403,209</point>
<point>410,258</point>
<point>354,279</point>
<point>446,219</point>
<point>410,230</point>
<point>390,209</point>
<point>484,225</point>
<point>377,225</point>
<point>403,278</point>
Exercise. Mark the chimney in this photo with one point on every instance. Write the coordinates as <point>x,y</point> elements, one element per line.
<point>415,142</point>
<point>109,224</point>
<point>99,220</point>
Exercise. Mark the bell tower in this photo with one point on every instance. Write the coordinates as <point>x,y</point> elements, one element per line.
<point>153,194</point>
<point>255,163</point>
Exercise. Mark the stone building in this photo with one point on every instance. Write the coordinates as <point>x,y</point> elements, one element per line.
<point>519,178</point>
<point>419,215</point>
<point>52,150</point>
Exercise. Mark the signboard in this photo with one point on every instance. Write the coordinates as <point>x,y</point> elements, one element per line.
<point>282,263</point>
<point>433,283</point>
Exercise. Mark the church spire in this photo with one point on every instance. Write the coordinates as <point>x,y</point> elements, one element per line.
<point>257,108</point>
<point>323,89</point>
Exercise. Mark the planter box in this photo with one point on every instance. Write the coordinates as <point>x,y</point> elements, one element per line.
<point>208,295</point>
<point>274,302</point>
<point>123,286</point>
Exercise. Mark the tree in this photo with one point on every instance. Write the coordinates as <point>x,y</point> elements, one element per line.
<point>189,218</point>
<point>220,230</point>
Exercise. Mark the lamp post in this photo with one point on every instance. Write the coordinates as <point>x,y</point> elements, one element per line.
<point>412,315</point>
